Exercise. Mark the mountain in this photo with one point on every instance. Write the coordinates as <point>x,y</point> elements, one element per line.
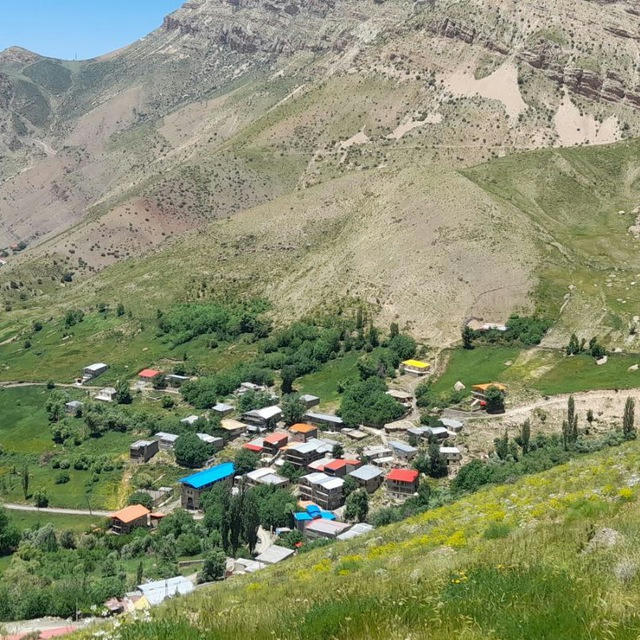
<point>328,124</point>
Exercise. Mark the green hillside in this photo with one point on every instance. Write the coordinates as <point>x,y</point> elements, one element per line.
<point>550,556</point>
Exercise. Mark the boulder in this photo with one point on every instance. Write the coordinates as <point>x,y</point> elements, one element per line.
<point>458,386</point>
<point>602,360</point>
<point>633,367</point>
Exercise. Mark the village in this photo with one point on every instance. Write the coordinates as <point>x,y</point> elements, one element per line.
<point>318,459</point>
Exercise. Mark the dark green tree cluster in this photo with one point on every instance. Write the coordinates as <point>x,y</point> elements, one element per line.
<point>367,403</point>
<point>576,347</point>
<point>191,452</point>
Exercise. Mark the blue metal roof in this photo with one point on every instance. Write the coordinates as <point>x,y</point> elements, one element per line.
<point>300,517</point>
<point>209,476</point>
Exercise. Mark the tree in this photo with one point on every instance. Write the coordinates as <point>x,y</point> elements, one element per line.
<point>159,381</point>
<point>214,566</point>
<point>9,534</point>
<point>288,375</point>
<point>293,410</point>
<point>139,573</point>
<point>573,347</point>
<point>68,540</point>
<point>190,451</point>
<point>373,337</point>
<point>123,393</point>
<point>40,499</point>
<point>572,421</point>
<point>502,446</point>
<point>437,464</point>
<point>350,485</point>
<point>25,481</point>
<point>338,450</point>
<point>403,346</point>
<point>290,471</point>
<point>424,493</point>
<point>494,398</point>
<point>467,337</point>
<point>235,521</point>
<point>628,421</point>
<point>141,497</point>
<point>590,416</point>
<point>525,436</point>
<point>245,461</point>
<point>250,520</point>
<point>357,505</point>
<point>394,330</point>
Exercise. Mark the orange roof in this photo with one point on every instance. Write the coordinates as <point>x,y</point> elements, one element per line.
<point>131,513</point>
<point>487,385</point>
<point>303,428</point>
<point>149,373</point>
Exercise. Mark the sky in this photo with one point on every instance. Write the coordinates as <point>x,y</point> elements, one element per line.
<point>83,28</point>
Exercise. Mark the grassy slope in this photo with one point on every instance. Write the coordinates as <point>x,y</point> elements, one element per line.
<point>519,547</point>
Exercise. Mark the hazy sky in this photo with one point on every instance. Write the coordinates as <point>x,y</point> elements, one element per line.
<point>86,28</point>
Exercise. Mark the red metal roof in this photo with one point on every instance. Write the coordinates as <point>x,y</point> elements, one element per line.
<point>403,475</point>
<point>336,464</point>
<point>149,373</point>
<point>252,447</point>
<point>276,438</point>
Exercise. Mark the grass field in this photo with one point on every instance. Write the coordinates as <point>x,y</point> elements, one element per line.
<point>509,562</point>
<point>324,383</point>
<point>475,366</point>
<point>32,519</point>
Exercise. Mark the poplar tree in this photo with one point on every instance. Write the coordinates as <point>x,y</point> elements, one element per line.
<point>628,421</point>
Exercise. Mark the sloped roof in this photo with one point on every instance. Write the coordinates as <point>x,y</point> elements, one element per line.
<point>131,513</point>
<point>403,475</point>
<point>209,476</point>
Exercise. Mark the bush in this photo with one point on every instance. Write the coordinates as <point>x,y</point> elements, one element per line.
<point>141,497</point>
<point>190,451</point>
<point>63,477</point>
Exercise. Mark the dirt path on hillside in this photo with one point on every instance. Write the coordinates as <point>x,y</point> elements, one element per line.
<point>59,510</point>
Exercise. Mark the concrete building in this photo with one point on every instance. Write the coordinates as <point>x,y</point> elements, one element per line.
<point>414,367</point>
<point>376,452</point>
<point>455,426</point>
<point>158,591</point>
<point>265,476</point>
<point>324,420</point>
<point>190,420</point>
<point>93,371</point>
<point>339,468</point>
<point>234,428</point>
<point>107,394</point>
<point>221,409</point>
<point>265,418</point>
<point>166,440</point>
<point>303,453</point>
<point>451,454</point>
<point>143,450</point>
<point>73,407</point>
<point>403,397</point>
<point>309,401</point>
<point>402,482</point>
<point>403,450</point>
<point>322,528</point>
<point>216,443</point>
<point>274,554</point>
<point>302,432</point>
<point>193,486</point>
<point>368,476</point>
<point>359,529</point>
<point>127,519</point>
<point>325,491</point>
<point>274,442</point>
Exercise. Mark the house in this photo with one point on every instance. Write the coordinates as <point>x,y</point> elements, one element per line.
<point>402,482</point>
<point>147,375</point>
<point>256,445</point>
<point>265,476</point>
<point>221,409</point>
<point>234,428</point>
<point>324,420</point>
<point>311,512</point>
<point>376,452</point>
<point>158,591</point>
<point>127,519</point>
<point>190,420</point>
<point>264,418</point>
<point>93,371</point>
<point>303,453</point>
<point>323,490</point>
<point>368,476</point>
<point>166,440</point>
<point>402,450</point>
<point>476,324</point>
<point>340,468</point>
<point>73,407</point>
<point>455,426</point>
<point>440,433</point>
<point>451,454</point>
<point>274,442</point>
<point>355,434</point>
<point>319,464</point>
<point>398,425</point>
<point>249,386</point>
<point>322,528</point>
<point>359,529</point>
<point>303,432</point>
<point>105,395</point>
<point>216,443</point>
<point>414,367</point>
<point>309,401</point>
<point>419,432</point>
<point>274,554</point>
<point>174,380</point>
<point>403,397</point>
<point>193,486</point>
<point>244,565</point>
<point>143,450</point>
<point>481,389</point>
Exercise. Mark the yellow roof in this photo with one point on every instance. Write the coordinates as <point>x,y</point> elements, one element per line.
<point>486,385</point>
<point>141,604</point>
<point>418,364</point>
